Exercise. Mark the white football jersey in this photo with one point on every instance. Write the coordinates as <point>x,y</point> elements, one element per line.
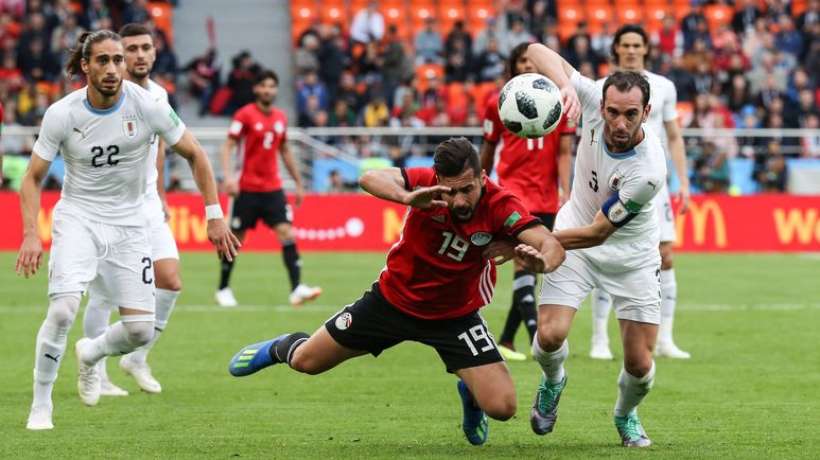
<point>160,95</point>
<point>106,151</point>
<point>635,176</point>
<point>663,98</point>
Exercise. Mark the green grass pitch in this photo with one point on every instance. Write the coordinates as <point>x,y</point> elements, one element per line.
<point>752,389</point>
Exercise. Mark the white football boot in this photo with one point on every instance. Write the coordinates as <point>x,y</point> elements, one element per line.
<point>141,372</point>
<point>40,418</point>
<point>304,293</point>
<point>88,379</point>
<point>225,298</point>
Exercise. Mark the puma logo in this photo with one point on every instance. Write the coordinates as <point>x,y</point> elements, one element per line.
<point>651,184</point>
<point>82,134</point>
<point>55,358</point>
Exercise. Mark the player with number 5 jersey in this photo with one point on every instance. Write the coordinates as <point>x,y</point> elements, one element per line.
<point>100,229</point>
<point>437,276</point>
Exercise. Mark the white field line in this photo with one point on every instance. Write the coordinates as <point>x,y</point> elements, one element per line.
<point>28,309</point>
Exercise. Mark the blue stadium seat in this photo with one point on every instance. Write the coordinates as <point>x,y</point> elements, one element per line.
<point>419,162</point>
<point>740,175</point>
<point>322,168</point>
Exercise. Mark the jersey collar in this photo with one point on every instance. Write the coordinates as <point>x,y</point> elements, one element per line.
<point>621,155</point>
<point>107,111</point>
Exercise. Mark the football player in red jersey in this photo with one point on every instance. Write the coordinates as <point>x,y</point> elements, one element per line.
<point>258,193</point>
<point>532,169</point>
<point>2,115</point>
<point>439,273</point>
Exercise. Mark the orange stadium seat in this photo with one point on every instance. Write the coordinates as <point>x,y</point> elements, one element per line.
<point>568,18</point>
<point>653,14</point>
<point>163,16</point>
<point>799,6</point>
<point>480,92</point>
<point>394,13</point>
<point>597,15</point>
<point>718,15</point>
<point>335,12</point>
<point>629,14</point>
<point>303,14</point>
<point>426,72</point>
<point>477,14</point>
<point>448,13</point>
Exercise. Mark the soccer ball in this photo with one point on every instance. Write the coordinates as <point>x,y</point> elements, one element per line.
<point>530,105</point>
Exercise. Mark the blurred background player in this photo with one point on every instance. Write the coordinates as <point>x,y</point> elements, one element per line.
<point>630,49</point>
<point>103,132</point>
<point>455,216</point>
<point>258,194</point>
<point>610,231</point>
<point>532,169</point>
<point>140,55</point>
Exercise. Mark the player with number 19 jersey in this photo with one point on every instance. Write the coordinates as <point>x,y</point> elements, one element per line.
<point>437,269</point>
<point>262,134</point>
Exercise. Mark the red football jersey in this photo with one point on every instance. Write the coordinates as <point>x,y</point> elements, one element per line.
<point>436,270</point>
<point>527,167</point>
<point>262,134</point>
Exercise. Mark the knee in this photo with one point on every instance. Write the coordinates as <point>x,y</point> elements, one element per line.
<point>502,407</point>
<point>139,333</point>
<point>549,338</point>
<point>63,310</point>
<point>666,256</point>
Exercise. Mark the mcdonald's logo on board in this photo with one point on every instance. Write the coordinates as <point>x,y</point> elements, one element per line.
<point>703,217</point>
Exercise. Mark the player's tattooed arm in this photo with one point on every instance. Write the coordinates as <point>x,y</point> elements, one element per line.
<point>31,250</point>
<point>587,236</point>
<point>389,184</point>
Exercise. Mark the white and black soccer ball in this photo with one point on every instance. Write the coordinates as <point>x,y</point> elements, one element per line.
<point>530,105</point>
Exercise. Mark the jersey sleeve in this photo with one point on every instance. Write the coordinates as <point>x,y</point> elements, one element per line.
<point>588,92</point>
<point>238,125</point>
<point>418,177</point>
<point>492,122</point>
<point>511,217</point>
<point>164,121</point>
<point>52,132</point>
<point>633,195</point>
<point>670,103</point>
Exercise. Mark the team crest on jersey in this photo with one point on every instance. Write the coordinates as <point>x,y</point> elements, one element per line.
<point>615,182</point>
<point>129,127</point>
<point>278,127</point>
<point>343,321</point>
<point>258,127</point>
<point>480,238</point>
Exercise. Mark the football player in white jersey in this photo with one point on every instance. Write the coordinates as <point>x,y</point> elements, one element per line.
<point>611,231</point>
<point>139,60</point>
<point>99,229</point>
<point>630,47</point>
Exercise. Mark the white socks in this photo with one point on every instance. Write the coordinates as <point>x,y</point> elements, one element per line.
<point>552,362</point>
<point>601,304</point>
<point>165,302</point>
<point>632,390</point>
<point>119,338</point>
<point>669,299</point>
<point>51,344</point>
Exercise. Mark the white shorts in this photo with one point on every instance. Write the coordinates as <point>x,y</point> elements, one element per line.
<point>635,291</point>
<point>115,259</point>
<point>666,215</point>
<point>163,245</point>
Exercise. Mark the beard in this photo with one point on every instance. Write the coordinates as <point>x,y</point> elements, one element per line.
<point>138,74</point>
<point>106,91</point>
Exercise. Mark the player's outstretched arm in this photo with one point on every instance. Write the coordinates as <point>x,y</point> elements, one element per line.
<point>557,69</point>
<point>538,250</point>
<point>388,184</point>
<point>588,236</point>
<point>218,233</point>
<point>31,250</point>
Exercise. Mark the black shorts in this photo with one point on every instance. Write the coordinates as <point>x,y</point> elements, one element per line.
<point>372,324</point>
<point>547,218</point>
<point>249,207</point>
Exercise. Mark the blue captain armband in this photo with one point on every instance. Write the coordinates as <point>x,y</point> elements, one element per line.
<point>617,212</point>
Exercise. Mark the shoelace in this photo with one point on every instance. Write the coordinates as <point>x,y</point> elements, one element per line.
<point>632,427</point>
<point>550,390</point>
<point>88,374</point>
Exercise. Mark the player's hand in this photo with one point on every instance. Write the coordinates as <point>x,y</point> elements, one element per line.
<point>572,105</point>
<point>30,256</point>
<point>427,197</point>
<point>536,261</point>
<point>227,244</point>
<point>232,187</point>
<point>499,252</point>
<point>683,199</point>
<point>299,195</point>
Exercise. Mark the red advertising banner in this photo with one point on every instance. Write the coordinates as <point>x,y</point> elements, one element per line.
<point>357,222</point>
